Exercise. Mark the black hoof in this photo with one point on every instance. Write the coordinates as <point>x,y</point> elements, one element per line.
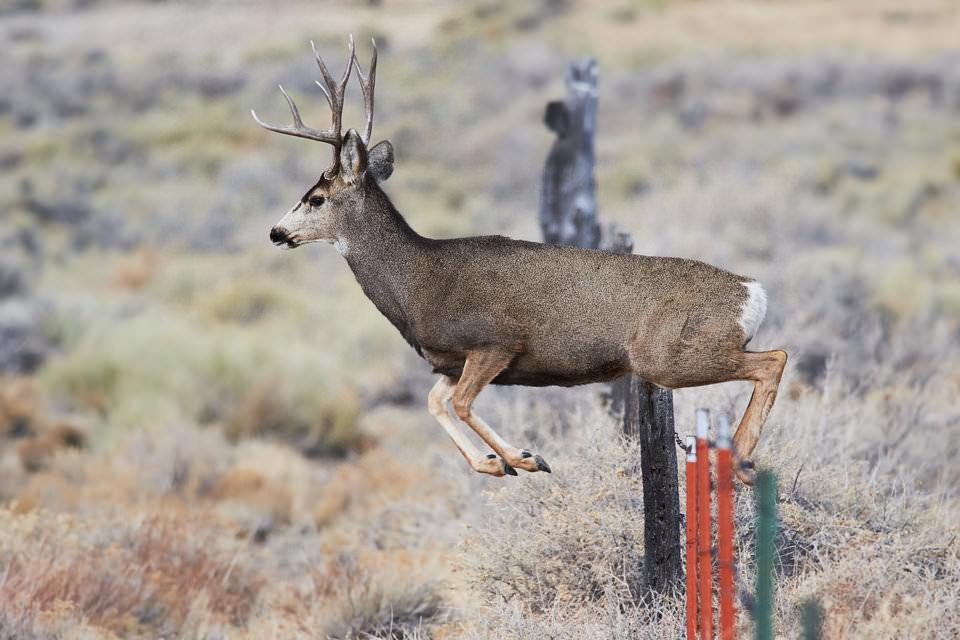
<point>541,464</point>
<point>507,469</point>
<point>525,454</point>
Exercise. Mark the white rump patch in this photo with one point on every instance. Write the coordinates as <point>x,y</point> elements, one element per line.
<point>754,309</point>
<point>341,246</point>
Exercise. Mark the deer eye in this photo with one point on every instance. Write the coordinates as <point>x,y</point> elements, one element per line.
<point>317,201</point>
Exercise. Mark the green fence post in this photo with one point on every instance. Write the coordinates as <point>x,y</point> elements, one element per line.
<point>810,614</point>
<point>766,494</point>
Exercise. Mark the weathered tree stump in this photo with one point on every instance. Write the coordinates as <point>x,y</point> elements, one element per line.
<point>568,207</point>
<point>568,216</point>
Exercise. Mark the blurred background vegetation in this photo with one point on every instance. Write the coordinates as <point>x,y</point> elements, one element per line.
<point>177,393</point>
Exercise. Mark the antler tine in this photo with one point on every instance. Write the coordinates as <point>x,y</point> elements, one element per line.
<point>326,94</point>
<point>297,128</point>
<point>327,78</point>
<point>297,121</point>
<point>346,72</point>
<point>367,85</point>
<point>333,92</point>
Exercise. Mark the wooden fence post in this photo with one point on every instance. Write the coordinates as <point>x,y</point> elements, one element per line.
<point>648,417</point>
<point>568,216</point>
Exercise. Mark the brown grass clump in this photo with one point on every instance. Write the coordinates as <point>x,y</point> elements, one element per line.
<point>251,300</point>
<point>36,453</point>
<point>376,478</point>
<point>21,418</point>
<point>244,487</point>
<point>18,410</point>
<point>68,435</point>
<point>136,270</point>
<point>318,424</point>
<point>163,574</point>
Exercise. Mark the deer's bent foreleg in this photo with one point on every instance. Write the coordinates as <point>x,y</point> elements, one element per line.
<point>479,370</point>
<point>440,394</point>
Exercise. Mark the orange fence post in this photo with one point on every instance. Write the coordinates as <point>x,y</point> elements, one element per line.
<point>692,609</point>
<point>705,554</point>
<point>725,529</point>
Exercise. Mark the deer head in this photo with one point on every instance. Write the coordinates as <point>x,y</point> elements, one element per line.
<point>324,211</point>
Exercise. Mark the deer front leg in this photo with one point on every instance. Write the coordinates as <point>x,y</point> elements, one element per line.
<point>437,401</point>
<point>479,369</point>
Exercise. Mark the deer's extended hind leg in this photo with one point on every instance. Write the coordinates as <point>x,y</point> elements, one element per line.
<point>764,369</point>
<point>479,369</point>
<point>437,401</point>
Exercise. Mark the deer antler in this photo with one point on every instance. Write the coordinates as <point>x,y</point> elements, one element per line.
<point>366,85</point>
<point>333,92</point>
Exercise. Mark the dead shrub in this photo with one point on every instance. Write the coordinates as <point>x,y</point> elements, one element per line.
<point>318,424</point>
<point>249,301</point>
<point>883,588</point>
<point>131,578</point>
<point>67,434</point>
<point>19,415</point>
<point>374,479</point>
<point>136,270</point>
<point>356,596</point>
<point>249,488</point>
<point>36,453</point>
<point>568,539</point>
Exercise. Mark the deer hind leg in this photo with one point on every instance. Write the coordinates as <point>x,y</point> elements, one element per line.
<point>764,369</point>
<point>437,401</point>
<point>478,371</point>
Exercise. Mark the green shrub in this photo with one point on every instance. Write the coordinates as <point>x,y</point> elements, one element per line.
<point>158,366</point>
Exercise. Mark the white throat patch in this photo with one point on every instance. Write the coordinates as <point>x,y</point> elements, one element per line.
<point>754,309</point>
<point>341,246</point>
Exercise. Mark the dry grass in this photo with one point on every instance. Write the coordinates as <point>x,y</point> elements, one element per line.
<point>880,555</point>
<point>214,540</point>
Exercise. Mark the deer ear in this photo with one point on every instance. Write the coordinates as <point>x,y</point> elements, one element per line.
<point>353,157</point>
<point>380,160</point>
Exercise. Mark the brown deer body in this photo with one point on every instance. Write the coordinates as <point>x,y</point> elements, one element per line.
<point>491,310</point>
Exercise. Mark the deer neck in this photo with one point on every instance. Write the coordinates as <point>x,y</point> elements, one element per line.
<point>382,251</point>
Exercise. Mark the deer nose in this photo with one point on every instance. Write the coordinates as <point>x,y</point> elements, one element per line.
<point>278,234</point>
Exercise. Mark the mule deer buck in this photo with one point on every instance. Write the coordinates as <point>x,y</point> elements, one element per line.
<point>492,310</point>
